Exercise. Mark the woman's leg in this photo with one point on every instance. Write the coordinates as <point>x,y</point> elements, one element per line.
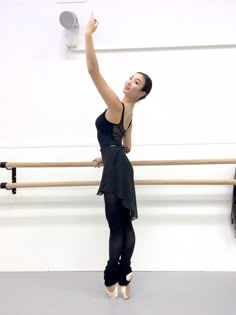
<point>127,249</point>
<point>116,239</point>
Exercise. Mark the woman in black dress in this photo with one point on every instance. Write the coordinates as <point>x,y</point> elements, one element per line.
<point>114,127</point>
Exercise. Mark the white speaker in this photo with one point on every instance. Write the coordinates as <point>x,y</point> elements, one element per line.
<point>70,23</point>
<point>69,20</point>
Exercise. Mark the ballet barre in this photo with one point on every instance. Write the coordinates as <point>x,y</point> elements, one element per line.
<point>12,166</point>
<point>137,182</point>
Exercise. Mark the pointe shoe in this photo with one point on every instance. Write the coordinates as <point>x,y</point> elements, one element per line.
<point>125,290</point>
<point>113,294</point>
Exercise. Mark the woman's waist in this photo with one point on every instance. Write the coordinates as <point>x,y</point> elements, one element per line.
<point>114,153</point>
<point>110,146</point>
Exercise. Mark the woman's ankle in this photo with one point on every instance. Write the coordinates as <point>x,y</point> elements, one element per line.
<point>111,288</point>
<point>112,291</point>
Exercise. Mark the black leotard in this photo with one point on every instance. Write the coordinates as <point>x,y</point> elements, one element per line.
<point>117,176</point>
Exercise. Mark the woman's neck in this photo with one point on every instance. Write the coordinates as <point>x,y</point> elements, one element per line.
<point>128,103</point>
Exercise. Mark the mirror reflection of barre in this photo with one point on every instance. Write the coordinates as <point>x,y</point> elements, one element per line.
<point>70,23</point>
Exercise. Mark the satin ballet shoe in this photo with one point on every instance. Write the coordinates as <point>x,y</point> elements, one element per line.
<point>125,292</point>
<point>113,294</point>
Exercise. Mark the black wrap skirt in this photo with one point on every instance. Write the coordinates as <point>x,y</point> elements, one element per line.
<point>118,178</point>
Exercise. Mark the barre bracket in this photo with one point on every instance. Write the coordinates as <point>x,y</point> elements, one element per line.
<point>13,177</point>
<point>233,211</point>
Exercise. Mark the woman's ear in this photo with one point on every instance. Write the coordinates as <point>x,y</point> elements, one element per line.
<point>142,95</point>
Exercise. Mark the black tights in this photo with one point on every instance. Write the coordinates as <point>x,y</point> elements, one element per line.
<point>121,241</point>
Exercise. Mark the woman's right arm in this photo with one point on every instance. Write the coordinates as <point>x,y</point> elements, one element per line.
<point>110,98</point>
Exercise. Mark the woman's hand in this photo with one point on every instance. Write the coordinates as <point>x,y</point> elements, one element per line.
<point>92,25</point>
<point>97,162</point>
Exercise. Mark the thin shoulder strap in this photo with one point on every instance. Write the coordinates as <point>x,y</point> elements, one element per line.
<point>122,117</point>
<point>123,110</point>
<point>129,124</point>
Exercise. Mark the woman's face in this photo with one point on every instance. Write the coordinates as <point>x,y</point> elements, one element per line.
<point>133,87</point>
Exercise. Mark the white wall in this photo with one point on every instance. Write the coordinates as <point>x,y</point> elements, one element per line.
<point>48,108</point>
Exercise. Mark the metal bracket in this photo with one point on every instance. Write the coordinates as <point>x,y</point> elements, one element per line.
<point>233,209</point>
<point>13,177</point>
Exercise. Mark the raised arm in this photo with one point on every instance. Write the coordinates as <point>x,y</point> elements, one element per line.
<point>110,98</point>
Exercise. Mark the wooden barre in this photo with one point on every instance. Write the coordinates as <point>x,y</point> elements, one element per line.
<point>137,182</point>
<point>134,163</point>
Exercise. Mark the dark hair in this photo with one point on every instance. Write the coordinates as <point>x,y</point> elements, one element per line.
<point>147,85</point>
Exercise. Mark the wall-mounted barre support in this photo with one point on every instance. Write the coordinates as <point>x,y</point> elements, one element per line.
<point>13,175</point>
<point>13,178</point>
<point>233,211</point>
